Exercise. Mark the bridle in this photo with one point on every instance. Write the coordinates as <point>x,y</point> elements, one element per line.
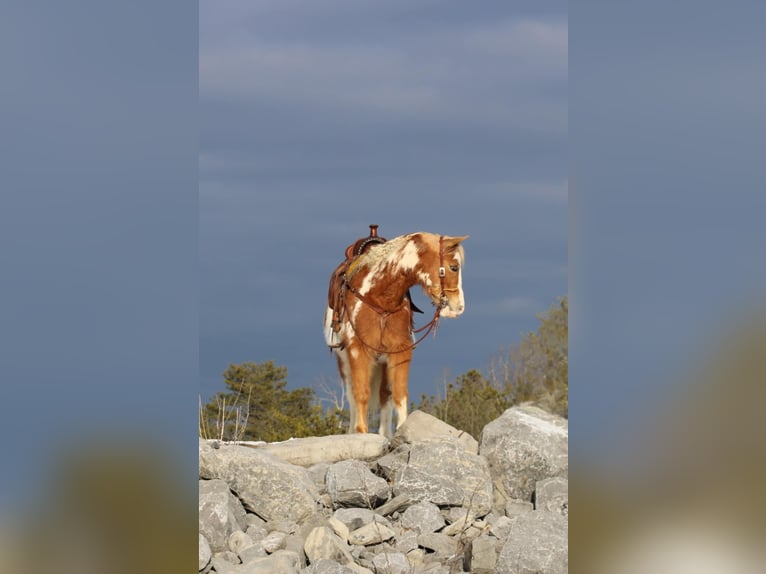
<point>432,325</point>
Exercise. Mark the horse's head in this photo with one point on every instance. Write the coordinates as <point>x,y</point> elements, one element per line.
<point>443,269</point>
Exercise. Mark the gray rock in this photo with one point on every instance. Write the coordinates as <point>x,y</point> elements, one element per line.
<point>225,562</point>
<point>393,505</point>
<point>256,532</point>
<point>266,485</point>
<point>423,517</point>
<point>339,528</point>
<point>537,543</point>
<point>318,472</point>
<point>514,507</point>
<point>274,541</point>
<point>373,533</point>
<point>406,541</point>
<point>220,513</point>
<point>331,448</point>
<point>282,562</point>
<point>251,553</point>
<point>354,518</point>
<point>239,540</point>
<point>421,426</point>
<point>500,526</point>
<point>351,483</point>
<point>460,520</point>
<point>446,475</point>
<point>323,543</point>
<point>205,555</point>
<point>393,461</point>
<point>324,566</point>
<point>525,444</point>
<point>391,563</point>
<point>444,546</point>
<point>482,556</point>
<point>295,543</point>
<point>552,494</point>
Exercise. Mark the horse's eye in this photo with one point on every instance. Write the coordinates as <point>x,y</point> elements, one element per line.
<point>454,268</point>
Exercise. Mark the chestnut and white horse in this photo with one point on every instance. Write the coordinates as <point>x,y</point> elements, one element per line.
<point>371,329</point>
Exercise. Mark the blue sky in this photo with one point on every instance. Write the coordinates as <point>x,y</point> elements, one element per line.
<point>319,119</point>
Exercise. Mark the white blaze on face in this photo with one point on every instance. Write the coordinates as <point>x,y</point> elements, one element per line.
<point>459,260</point>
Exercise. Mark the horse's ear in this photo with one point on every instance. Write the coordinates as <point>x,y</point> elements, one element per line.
<point>452,242</point>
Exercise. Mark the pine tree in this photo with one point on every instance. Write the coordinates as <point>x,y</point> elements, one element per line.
<point>258,406</point>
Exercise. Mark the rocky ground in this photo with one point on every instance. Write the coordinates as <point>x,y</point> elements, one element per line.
<point>433,500</point>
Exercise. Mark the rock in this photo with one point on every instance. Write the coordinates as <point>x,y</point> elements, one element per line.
<point>423,517</point>
<point>500,526</point>
<point>373,533</point>
<point>256,532</point>
<point>282,561</point>
<point>251,553</point>
<point>354,518</point>
<point>552,494</point>
<point>525,444</point>
<point>225,562</point>
<point>391,563</point>
<point>324,566</point>
<point>482,557</point>
<point>274,541</point>
<point>514,507</point>
<point>460,520</point>
<point>323,543</point>
<point>265,484</point>
<point>238,541</point>
<point>396,503</point>
<point>220,514</point>
<point>340,529</point>
<point>406,541</point>
<point>446,475</point>
<point>351,483</point>
<point>332,448</point>
<point>537,543</point>
<point>205,555</point>
<point>421,426</point>
<point>318,472</point>
<point>393,461</point>
<point>443,545</point>
<point>295,543</point>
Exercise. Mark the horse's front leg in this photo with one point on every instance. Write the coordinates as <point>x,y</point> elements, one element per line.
<point>398,375</point>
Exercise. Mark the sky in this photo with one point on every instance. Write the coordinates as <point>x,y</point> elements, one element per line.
<point>318,119</point>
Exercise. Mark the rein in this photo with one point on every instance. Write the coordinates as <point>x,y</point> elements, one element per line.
<point>432,325</point>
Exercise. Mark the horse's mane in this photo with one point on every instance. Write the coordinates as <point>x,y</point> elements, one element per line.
<point>384,252</point>
<point>378,253</point>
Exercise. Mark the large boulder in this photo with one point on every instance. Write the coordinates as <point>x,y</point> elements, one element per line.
<point>333,448</point>
<point>351,483</point>
<point>525,445</point>
<point>443,473</point>
<point>220,514</point>
<point>552,494</point>
<point>420,426</point>
<point>266,485</point>
<point>537,542</point>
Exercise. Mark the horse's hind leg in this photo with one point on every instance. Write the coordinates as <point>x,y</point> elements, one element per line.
<point>386,408</point>
<point>359,382</point>
<point>344,369</point>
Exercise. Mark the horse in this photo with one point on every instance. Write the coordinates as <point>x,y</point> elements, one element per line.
<point>369,318</point>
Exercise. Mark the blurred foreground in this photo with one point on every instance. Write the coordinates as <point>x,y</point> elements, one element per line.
<point>108,507</point>
<point>687,495</point>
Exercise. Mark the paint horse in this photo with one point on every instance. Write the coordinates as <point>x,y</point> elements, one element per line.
<point>369,319</point>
